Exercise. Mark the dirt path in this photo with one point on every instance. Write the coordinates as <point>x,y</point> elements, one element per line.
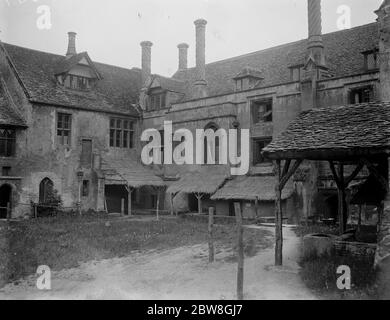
<point>174,274</point>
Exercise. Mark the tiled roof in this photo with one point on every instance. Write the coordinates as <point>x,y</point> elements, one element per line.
<point>249,72</point>
<point>128,172</point>
<point>346,130</point>
<point>116,92</point>
<point>8,114</point>
<point>68,63</point>
<point>198,182</point>
<point>171,84</point>
<point>250,188</point>
<point>342,48</point>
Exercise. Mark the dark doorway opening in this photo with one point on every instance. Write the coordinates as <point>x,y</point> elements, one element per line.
<point>114,195</point>
<point>192,203</point>
<point>5,199</point>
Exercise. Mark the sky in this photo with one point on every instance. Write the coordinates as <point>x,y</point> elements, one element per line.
<point>111,30</point>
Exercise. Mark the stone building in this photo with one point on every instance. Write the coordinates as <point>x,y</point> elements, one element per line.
<point>69,123</point>
<point>262,91</point>
<point>64,120</point>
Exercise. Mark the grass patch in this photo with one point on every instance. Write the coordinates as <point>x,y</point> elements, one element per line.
<point>64,242</point>
<point>320,275</point>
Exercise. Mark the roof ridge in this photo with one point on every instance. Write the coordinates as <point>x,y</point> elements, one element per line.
<point>134,69</point>
<point>279,46</point>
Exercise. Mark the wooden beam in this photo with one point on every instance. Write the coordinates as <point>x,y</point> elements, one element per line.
<point>354,174</point>
<point>286,167</point>
<point>240,249</point>
<point>278,216</point>
<point>199,196</point>
<point>284,179</point>
<point>335,176</point>
<point>383,181</point>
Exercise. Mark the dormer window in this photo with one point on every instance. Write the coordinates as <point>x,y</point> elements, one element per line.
<point>157,101</point>
<point>296,72</point>
<point>78,82</point>
<point>248,79</point>
<point>371,60</point>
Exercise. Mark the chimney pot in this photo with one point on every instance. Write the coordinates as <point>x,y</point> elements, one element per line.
<point>183,56</point>
<point>71,44</point>
<point>146,60</point>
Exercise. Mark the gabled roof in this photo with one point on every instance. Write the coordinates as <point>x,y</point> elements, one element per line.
<point>130,173</point>
<point>68,63</point>
<point>335,132</point>
<point>198,182</point>
<point>9,116</point>
<point>168,84</point>
<point>116,92</point>
<point>342,49</point>
<point>252,187</point>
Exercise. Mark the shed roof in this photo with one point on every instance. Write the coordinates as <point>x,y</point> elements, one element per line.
<point>130,173</point>
<point>198,182</point>
<point>338,133</point>
<point>251,188</point>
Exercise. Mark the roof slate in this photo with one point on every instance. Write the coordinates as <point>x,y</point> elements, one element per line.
<point>252,187</point>
<point>198,182</point>
<point>342,48</point>
<point>116,92</point>
<point>8,115</point>
<point>131,173</point>
<point>337,129</point>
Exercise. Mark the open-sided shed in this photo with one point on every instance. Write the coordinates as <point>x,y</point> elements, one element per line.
<point>357,135</point>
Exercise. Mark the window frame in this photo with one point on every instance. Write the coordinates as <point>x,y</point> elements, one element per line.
<point>257,158</point>
<point>261,117</point>
<point>157,101</point>
<point>63,130</point>
<point>121,136</point>
<point>354,91</point>
<point>375,54</point>
<point>8,141</point>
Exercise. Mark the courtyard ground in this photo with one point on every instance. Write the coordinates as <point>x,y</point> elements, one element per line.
<point>170,264</point>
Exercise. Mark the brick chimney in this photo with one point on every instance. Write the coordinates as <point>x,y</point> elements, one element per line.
<point>315,44</point>
<point>146,60</point>
<point>183,56</point>
<point>200,83</point>
<point>383,14</point>
<point>71,44</point>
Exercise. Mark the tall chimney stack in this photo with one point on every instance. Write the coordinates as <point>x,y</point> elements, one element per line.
<point>146,60</point>
<point>183,56</point>
<point>200,83</point>
<point>315,45</point>
<point>71,44</point>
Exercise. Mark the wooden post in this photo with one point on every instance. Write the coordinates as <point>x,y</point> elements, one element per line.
<point>36,211</point>
<point>122,207</point>
<point>278,216</point>
<point>211,240</point>
<point>129,200</point>
<point>8,211</point>
<point>240,249</point>
<point>341,196</point>
<point>199,197</point>
<point>158,205</point>
<point>172,207</point>
<point>360,219</point>
<point>257,207</point>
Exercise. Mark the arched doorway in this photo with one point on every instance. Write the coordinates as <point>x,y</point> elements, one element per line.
<point>212,148</point>
<point>5,199</point>
<point>46,188</point>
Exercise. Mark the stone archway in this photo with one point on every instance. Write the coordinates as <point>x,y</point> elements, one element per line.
<point>5,199</point>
